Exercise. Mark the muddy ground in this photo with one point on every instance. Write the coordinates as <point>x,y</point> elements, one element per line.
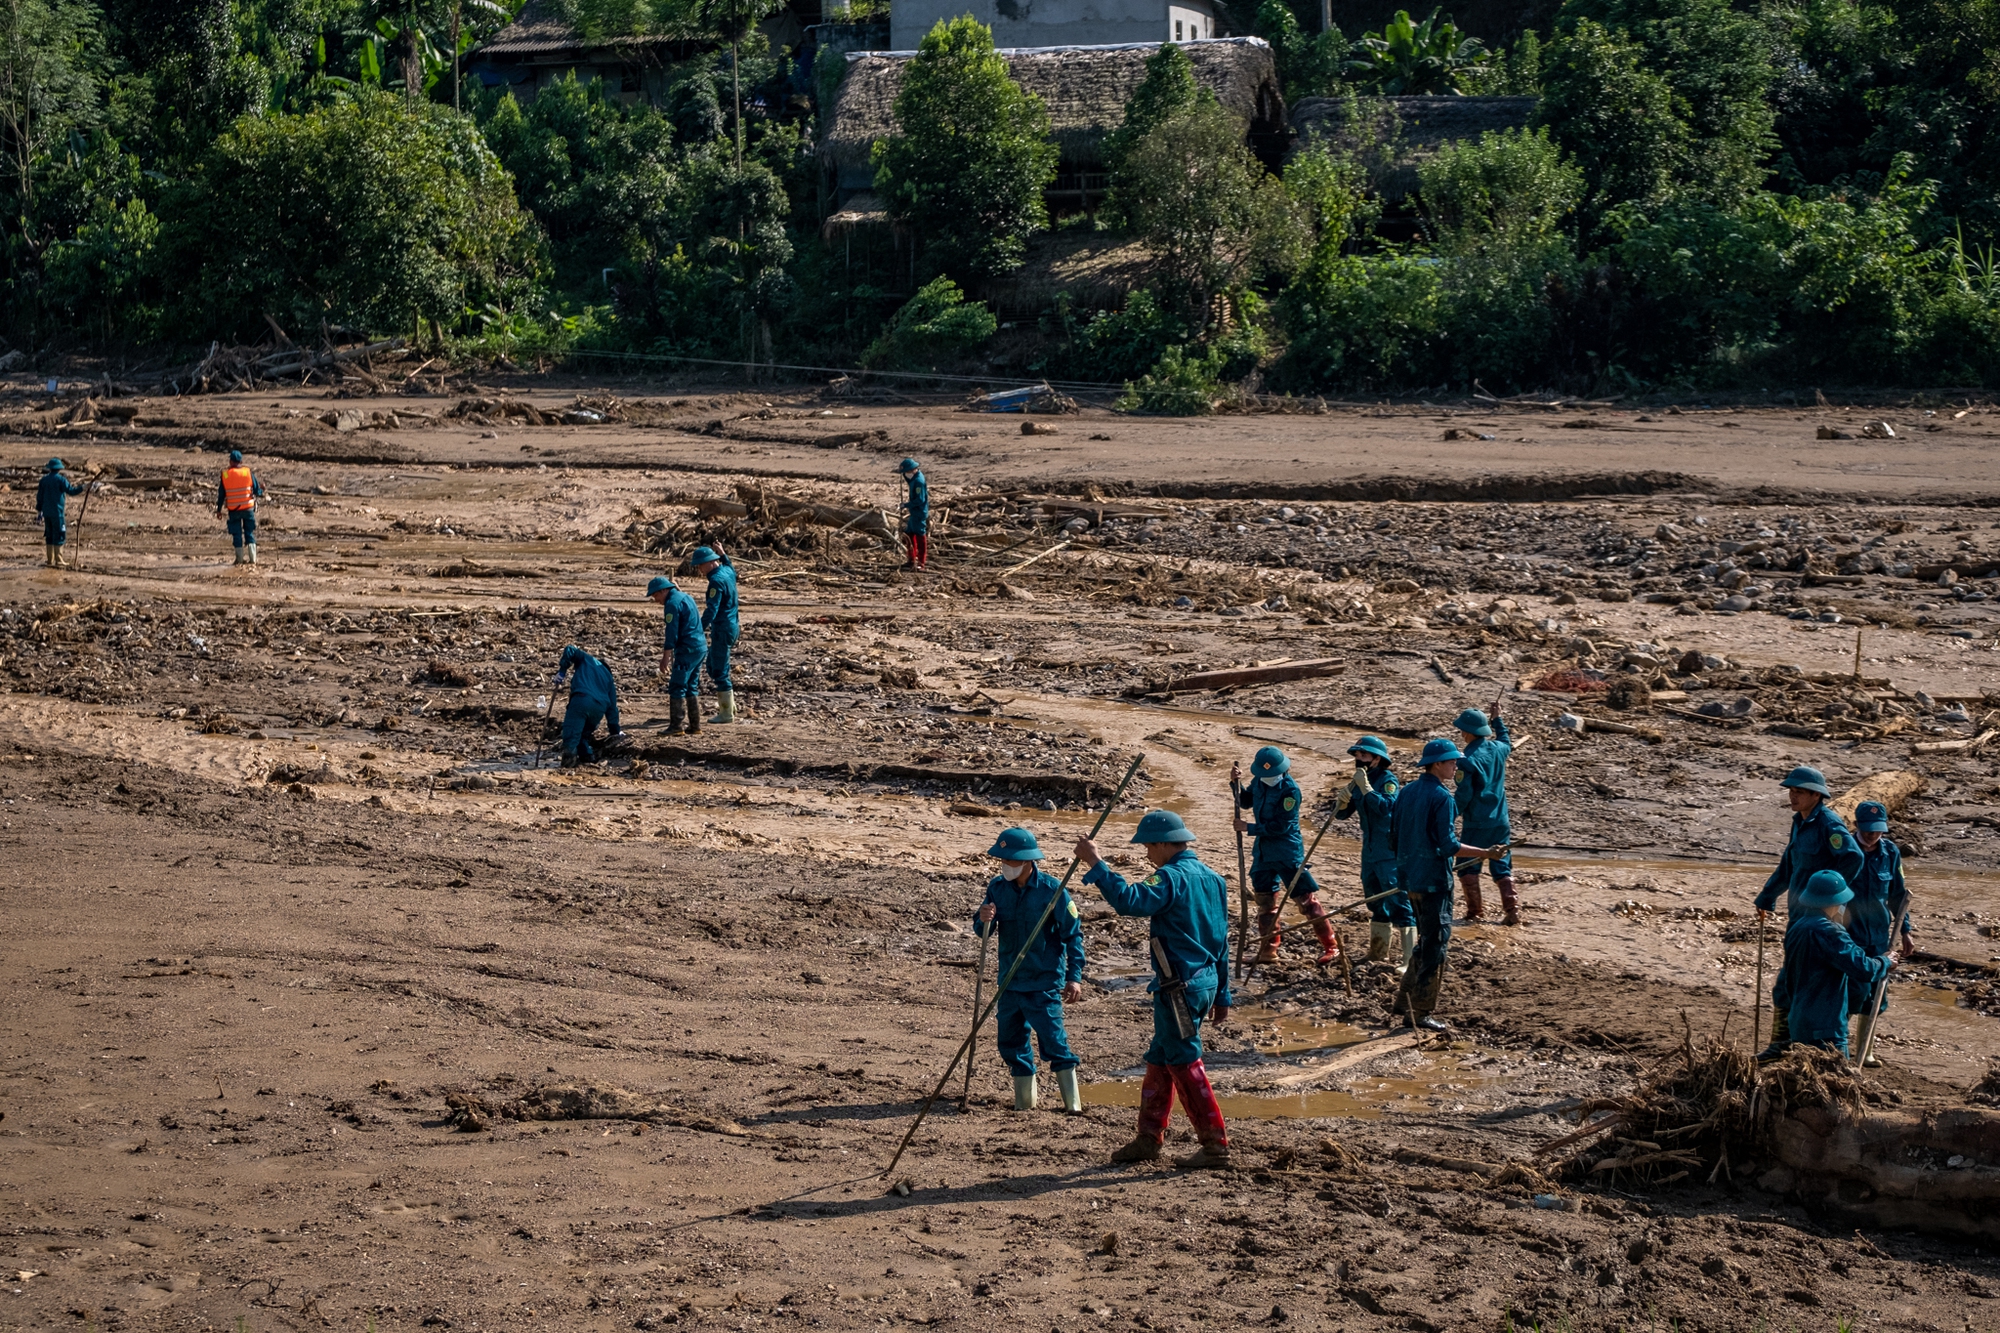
<point>323,991</point>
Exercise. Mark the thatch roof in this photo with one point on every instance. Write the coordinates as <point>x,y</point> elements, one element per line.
<point>1085,89</point>
<point>1396,133</point>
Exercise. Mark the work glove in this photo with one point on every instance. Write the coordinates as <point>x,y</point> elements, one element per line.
<point>556,681</point>
<point>1364,779</point>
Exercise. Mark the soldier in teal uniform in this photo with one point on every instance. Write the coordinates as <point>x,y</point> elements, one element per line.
<point>1819,841</point>
<point>1482,809</point>
<point>1824,968</point>
<point>1051,970</point>
<point>1189,907</point>
<point>1881,907</point>
<point>684,647</point>
<point>1274,799</point>
<point>1369,797</point>
<point>718,621</point>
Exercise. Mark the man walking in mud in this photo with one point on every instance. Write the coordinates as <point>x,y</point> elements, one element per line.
<point>1273,798</point>
<point>1189,907</point>
<point>1370,796</point>
<point>1482,808</point>
<point>718,621</point>
<point>52,506</point>
<point>236,495</point>
<point>916,515</point>
<point>684,646</point>
<point>1820,841</point>
<point>1426,845</point>
<point>1049,974</point>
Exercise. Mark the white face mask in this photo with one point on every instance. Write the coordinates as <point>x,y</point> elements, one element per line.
<point>1272,781</point>
<point>1016,871</point>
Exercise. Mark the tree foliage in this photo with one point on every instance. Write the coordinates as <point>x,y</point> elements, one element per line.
<point>1408,58</point>
<point>1212,217</point>
<point>365,212</point>
<point>967,171</point>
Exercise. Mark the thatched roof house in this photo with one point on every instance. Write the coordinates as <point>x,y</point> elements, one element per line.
<point>1397,133</point>
<point>1085,89</point>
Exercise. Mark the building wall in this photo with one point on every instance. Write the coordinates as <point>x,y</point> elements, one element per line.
<point>1028,23</point>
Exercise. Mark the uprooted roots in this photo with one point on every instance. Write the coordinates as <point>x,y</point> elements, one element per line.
<point>1705,1112</point>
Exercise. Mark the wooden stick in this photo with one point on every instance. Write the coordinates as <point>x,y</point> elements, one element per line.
<point>1242,878</point>
<point>1000,987</point>
<point>1757,1007</point>
<point>1015,569</point>
<point>82,512</point>
<point>978,998</point>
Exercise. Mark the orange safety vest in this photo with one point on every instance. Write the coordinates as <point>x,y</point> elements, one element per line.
<point>236,485</point>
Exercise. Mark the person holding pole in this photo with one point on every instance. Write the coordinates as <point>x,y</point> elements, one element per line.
<point>1189,907</point>
<point>718,621</point>
<point>681,654</point>
<point>1422,827</point>
<point>1051,970</point>
<point>237,495</point>
<point>1819,841</point>
<point>1273,798</point>
<point>916,509</point>
<point>1824,968</point>
<point>1371,795</point>
<point>51,506</point>
<point>1482,808</point>
<point>1880,911</point>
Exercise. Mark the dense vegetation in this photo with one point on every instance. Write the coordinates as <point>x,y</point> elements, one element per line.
<point>1712,192</point>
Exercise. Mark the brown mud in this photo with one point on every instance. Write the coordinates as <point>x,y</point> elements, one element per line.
<point>330,1006</point>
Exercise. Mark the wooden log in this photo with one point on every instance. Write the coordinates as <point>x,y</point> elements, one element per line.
<point>1891,789</point>
<point>1216,680</point>
<point>874,522</point>
<point>1352,1056</point>
<point>1462,1164</point>
<point>1605,724</point>
<point>1982,569</point>
<point>1949,747</point>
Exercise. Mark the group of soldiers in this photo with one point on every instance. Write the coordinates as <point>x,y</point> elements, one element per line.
<point>1846,894</point>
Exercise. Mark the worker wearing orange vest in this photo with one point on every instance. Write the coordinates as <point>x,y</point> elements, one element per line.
<point>237,495</point>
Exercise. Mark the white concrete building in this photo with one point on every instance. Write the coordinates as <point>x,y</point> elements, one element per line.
<point>1023,24</point>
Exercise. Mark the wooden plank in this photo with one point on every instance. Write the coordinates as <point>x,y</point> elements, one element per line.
<point>1352,1056</point>
<point>1948,747</point>
<point>1216,680</point>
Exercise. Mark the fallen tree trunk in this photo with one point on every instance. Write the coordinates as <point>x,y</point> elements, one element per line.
<point>874,522</point>
<point>1893,1168</point>
<point>1891,789</point>
<point>1217,680</point>
<point>1947,747</point>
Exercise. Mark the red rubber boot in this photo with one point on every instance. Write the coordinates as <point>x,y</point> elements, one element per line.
<point>1508,902</point>
<point>1156,1104</point>
<point>1329,944</point>
<point>1475,906</point>
<point>1198,1098</point>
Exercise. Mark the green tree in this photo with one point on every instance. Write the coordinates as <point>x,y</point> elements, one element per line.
<point>1309,64</point>
<point>1615,117</point>
<point>1716,60</point>
<point>1408,58</point>
<point>1204,206</point>
<point>1513,184</point>
<point>594,171</point>
<point>967,170</point>
<point>732,21</point>
<point>1167,90</point>
<point>367,212</point>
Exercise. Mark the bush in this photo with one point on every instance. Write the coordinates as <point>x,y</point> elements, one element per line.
<point>935,326</point>
<point>369,212</point>
<point>1119,345</point>
<point>1212,217</point>
<point>968,170</point>
<point>1182,384</point>
<point>1514,184</point>
<point>1364,323</point>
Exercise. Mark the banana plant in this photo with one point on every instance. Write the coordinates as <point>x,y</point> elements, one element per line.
<point>1408,58</point>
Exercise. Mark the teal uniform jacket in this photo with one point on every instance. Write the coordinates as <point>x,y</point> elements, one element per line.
<point>918,517</point>
<point>1274,821</point>
<point>683,628</point>
<point>1188,903</point>
<point>1826,976</point>
<point>1819,842</point>
<point>592,686</point>
<point>1374,809</point>
<point>718,618</point>
<point>1421,825</point>
<point>1482,788</point>
<point>1055,957</point>
<point>52,494</point>
<point>1881,906</point>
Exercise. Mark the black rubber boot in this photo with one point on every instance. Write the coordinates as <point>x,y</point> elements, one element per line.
<point>1781,1037</point>
<point>677,721</point>
<point>694,717</point>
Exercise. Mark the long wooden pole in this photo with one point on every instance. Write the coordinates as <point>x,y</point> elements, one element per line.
<point>83,512</point>
<point>978,999</point>
<point>1757,1005</point>
<point>1000,987</point>
<point>1242,879</point>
